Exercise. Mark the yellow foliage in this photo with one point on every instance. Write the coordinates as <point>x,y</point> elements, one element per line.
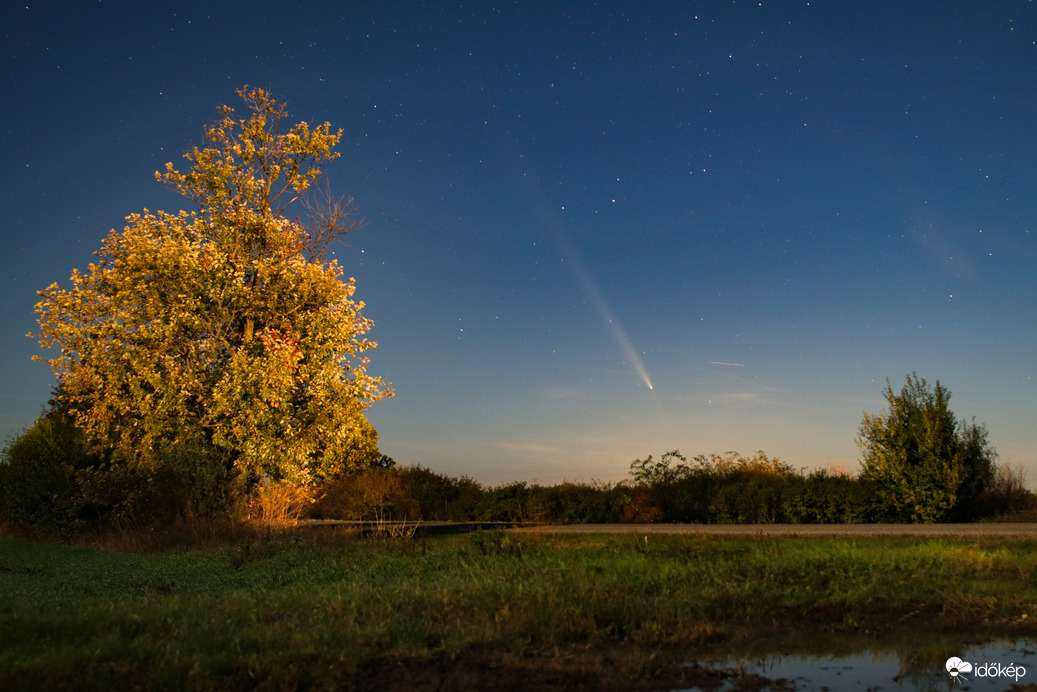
<point>223,323</point>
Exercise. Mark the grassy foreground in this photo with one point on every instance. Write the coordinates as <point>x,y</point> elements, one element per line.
<point>335,611</point>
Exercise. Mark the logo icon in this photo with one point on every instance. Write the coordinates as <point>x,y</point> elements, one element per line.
<point>956,667</point>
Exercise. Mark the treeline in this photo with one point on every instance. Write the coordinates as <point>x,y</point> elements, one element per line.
<point>707,489</point>
<point>51,482</point>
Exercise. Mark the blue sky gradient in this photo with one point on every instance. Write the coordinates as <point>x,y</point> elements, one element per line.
<point>763,209</point>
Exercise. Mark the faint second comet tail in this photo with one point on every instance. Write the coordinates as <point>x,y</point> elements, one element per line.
<point>720,362</point>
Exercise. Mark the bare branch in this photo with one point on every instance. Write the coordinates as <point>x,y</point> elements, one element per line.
<point>330,218</point>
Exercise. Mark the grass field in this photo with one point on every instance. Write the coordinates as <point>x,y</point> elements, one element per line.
<point>330,610</point>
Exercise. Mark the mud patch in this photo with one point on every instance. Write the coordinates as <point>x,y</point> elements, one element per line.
<point>620,667</point>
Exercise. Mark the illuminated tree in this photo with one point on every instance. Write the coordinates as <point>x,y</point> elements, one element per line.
<point>928,466</point>
<point>224,326</point>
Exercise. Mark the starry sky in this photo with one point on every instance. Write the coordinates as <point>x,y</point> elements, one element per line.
<point>597,230</point>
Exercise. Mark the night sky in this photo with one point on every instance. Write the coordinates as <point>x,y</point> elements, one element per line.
<point>597,230</point>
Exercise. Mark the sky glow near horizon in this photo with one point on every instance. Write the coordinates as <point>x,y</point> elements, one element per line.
<point>597,231</point>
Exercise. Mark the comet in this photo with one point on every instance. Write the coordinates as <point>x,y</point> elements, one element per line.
<point>553,223</point>
<point>597,299</point>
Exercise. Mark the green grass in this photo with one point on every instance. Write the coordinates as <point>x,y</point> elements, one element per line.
<point>317,611</point>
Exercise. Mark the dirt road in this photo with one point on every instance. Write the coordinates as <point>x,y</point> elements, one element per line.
<point>841,530</point>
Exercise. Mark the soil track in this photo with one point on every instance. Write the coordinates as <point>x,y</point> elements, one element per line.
<point>1028,530</point>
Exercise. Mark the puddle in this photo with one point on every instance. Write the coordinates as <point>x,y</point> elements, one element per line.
<point>994,666</point>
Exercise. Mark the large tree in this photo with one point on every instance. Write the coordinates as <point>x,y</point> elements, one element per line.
<point>225,325</point>
<point>929,467</point>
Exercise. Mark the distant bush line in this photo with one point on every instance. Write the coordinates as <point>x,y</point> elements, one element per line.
<point>51,483</point>
<point>709,489</point>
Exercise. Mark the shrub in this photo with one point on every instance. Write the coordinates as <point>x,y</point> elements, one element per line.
<point>470,493</point>
<point>749,497</point>
<point>710,488</point>
<point>510,502</point>
<point>640,510</point>
<point>578,503</point>
<point>52,482</point>
<point>439,497</point>
<point>281,504</point>
<point>824,498</point>
<point>1007,493</point>
<point>688,500</point>
<point>39,488</point>
<point>930,467</point>
<point>375,494</point>
<point>203,480</point>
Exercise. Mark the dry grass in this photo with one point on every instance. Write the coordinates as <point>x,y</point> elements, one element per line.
<point>186,533</point>
<point>279,504</point>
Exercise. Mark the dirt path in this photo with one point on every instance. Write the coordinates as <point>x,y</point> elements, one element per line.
<point>841,530</point>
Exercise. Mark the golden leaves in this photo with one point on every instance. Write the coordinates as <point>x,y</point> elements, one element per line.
<point>225,322</point>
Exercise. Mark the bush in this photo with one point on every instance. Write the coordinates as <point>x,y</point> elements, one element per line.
<point>1007,494</point>
<point>440,497</point>
<point>39,488</point>
<point>577,503</point>
<point>280,504</point>
<point>823,498</point>
<point>201,479</point>
<point>188,479</point>
<point>749,497</point>
<point>51,482</point>
<point>639,509</point>
<point>469,494</point>
<point>714,488</point>
<point>689,499</point>
<point>509,502</point>
<point>375,494</point>
<point>730,488</point>
<point>930,467</point>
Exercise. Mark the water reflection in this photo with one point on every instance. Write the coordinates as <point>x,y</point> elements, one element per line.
<point>902,666</point>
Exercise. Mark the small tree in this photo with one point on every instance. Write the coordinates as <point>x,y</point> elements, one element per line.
<point>928,466</point>
<point>224,327</point>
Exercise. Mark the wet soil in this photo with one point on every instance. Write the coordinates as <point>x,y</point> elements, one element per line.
<point>607,668</point>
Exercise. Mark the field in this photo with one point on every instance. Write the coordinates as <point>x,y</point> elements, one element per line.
<point>327,609</point>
